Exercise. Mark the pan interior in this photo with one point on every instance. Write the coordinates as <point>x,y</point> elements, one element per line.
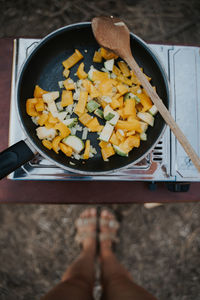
<point>44,67</point>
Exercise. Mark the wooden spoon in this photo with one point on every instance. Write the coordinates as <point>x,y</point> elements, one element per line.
<point>112,34</point>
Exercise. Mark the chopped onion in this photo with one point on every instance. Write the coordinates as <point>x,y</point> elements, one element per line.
<point>69,108</point>
<point>121,132</point>
<point>85,133</point>
<point>78,127</point>
<point>61,85</point>
<point>107,99</point>
<point>76,94</point>
<point>113,76</point>
<point>35,120</point>
<point>93,150</point>
<point>73,130</point>
<point>77,156</point>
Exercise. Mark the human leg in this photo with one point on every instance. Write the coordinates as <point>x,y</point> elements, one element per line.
<point>78,280</point>
<point>116,280</point>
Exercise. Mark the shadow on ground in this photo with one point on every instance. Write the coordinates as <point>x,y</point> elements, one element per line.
<point>160,247</point>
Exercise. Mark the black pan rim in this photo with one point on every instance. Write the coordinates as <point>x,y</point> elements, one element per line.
<point>39,150</point>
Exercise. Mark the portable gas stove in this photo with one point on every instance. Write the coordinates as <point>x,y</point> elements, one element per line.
<point>168,161</point>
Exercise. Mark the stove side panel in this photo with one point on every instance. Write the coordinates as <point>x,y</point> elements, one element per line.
<point>185,75</point>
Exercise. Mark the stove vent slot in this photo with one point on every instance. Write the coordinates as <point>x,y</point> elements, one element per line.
<point>157,153</point>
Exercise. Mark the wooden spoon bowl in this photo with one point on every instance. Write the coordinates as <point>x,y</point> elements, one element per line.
<point>112,34</point>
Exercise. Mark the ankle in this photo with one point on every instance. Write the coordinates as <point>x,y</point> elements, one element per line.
<point>106,252</point>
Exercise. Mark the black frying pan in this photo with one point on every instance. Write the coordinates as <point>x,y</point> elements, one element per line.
<point>44,67</point>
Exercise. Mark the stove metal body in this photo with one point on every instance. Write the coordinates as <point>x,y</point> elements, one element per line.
<point>168,161</point>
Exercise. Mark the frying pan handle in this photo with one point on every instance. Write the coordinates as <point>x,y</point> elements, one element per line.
<point>13,157</point>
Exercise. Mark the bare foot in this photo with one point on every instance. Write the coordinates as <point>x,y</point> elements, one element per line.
<point>108,229</point>
<point>86,229</point>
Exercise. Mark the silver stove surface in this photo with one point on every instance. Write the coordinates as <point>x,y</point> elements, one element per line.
<point>168,161</point>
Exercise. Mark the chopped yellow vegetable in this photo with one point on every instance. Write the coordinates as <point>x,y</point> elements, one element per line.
<point>94,93</point>
<point>99,76</point>
<point>114,139</point>
<point>38,92</point>
<point>107,90</point>
<point>107,54</point>
<point>85,118</point>
<point>129,108</point>
<point>87,150</point>
<point>66,98</point>
<point>97,57</point>
<point>105,87</point>
<point>119,135</point>
<point>40,106</point>
<point>80,106</point>
<point>87,84</point>
<point>115,102</point>
<point>124,68</point>
<point>47,144</point>
<point>42,119</point>
<point>73,59</point>
<point>134,79</point>
<point>125,80</point>
<point>145,101</point>
<point>51,119</point>
<point>129,125</point>
<point>63,129</point>
<point>121,113</point>
<point>103,144</point>
<point>94,125</point>
<point>130,143</point>
<point>66,149</point>
<point>116,70</point>
<point>48,125</point>
<point>55,143</point>
<point>129,133</point>
<point>135,89</point>
<point>69,84</point>
<point>121,101</point>
<point>66,73</point>
<point>122,89</point>
<point>30,107</point>
<point>80,72</point>
<point>107,152</point>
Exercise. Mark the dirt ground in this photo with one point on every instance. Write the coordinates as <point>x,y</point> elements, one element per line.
<point>160,246</point>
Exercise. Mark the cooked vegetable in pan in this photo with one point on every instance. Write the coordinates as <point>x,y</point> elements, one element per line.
<point>109,102</point>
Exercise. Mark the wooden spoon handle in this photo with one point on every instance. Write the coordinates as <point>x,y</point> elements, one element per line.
<point>164,112</point>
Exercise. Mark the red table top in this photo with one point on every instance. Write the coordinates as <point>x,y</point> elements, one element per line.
<point>68,191</point>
